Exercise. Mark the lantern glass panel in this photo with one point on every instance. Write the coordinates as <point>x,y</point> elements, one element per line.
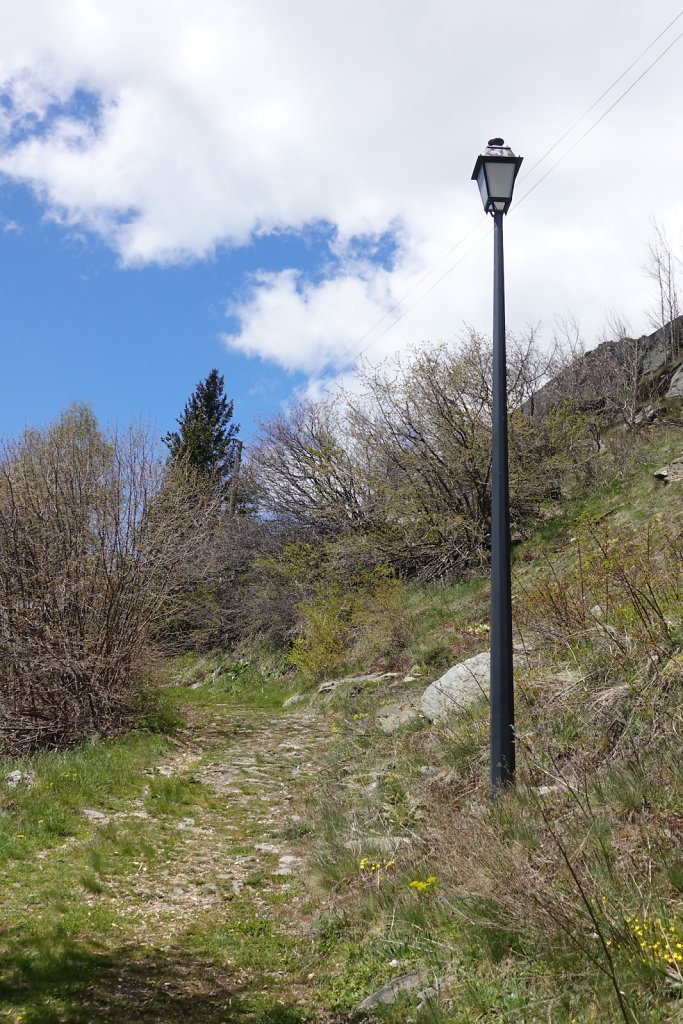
<point>483,187</point>
<point>501,179</point>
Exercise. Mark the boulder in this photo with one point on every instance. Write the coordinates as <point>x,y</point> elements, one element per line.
<point>459,687</point>
<point>655,349</point>
<point>648,414</point>
<point>676,385</point>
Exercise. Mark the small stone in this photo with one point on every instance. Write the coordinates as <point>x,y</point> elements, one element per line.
<point>673,473</point>
<point>293,700</point>
<point>266,848</point>
<point>393,963</point>
<point>14,779</point>
<point>559,787</point>
<point>393,716</point>
<point>425,996</point>
<point>290,859</point>
<point>94,815</point>
<point>387,993</point>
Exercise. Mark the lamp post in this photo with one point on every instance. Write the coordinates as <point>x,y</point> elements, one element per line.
<point>495,172</point>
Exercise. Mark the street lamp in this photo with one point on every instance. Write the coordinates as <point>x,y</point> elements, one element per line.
<point>495,172</point>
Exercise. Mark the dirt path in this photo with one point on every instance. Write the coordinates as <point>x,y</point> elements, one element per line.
<point>190,906</point>
<point>234,884</point>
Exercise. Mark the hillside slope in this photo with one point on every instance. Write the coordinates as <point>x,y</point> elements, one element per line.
<point>281,864</point>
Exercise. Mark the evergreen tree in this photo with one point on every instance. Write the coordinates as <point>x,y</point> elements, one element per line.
<point>207,436</point>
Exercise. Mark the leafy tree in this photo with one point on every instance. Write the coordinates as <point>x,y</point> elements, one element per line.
<point>206,440</point>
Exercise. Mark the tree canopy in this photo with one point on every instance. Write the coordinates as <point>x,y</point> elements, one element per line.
<point>206,439</point>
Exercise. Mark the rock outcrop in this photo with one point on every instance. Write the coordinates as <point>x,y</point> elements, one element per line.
<point>656,361</point>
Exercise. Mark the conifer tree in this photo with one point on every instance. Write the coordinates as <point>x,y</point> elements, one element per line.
<point>206,439</point>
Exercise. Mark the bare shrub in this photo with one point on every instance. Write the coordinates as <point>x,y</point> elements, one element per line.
<point>95,537</point>
<point>405,460</point>
<point>430,417</point>
<point>604,384</point>
<point>663,267</point>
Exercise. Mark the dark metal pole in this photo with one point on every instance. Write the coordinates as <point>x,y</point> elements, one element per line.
<point>502,691</point>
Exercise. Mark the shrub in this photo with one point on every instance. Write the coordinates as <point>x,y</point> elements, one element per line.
<point>94,539</point>
<point>347,610</point>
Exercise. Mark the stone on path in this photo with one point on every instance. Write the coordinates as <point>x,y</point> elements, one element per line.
<point>294,699</point>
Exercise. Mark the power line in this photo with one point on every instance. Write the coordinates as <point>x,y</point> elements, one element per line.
<point>601,97</point>
<point>464,238</point>
<point>599,119</point>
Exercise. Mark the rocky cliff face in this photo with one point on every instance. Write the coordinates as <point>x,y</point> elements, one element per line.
<point>650,368</point>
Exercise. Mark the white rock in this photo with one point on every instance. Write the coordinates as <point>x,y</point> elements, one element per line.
<point>560,787</point>
<point>294,699</point>
<point>393,716</point>
<point>94,815</point>
<point>426,996</point>
<point>14,779</point>
<point>459,687</point>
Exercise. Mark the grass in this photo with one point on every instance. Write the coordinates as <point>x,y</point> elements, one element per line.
<point>532,913</point>
<point>130,916</point>
<point>47,809</point>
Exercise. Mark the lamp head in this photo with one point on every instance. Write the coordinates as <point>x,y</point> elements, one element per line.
<point>495,172</point>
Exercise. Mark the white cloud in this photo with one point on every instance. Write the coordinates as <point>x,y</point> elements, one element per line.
<point>219,122</point>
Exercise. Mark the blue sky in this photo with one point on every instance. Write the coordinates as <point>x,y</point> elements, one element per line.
<point>133,342</point>
<point>258,186</point>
